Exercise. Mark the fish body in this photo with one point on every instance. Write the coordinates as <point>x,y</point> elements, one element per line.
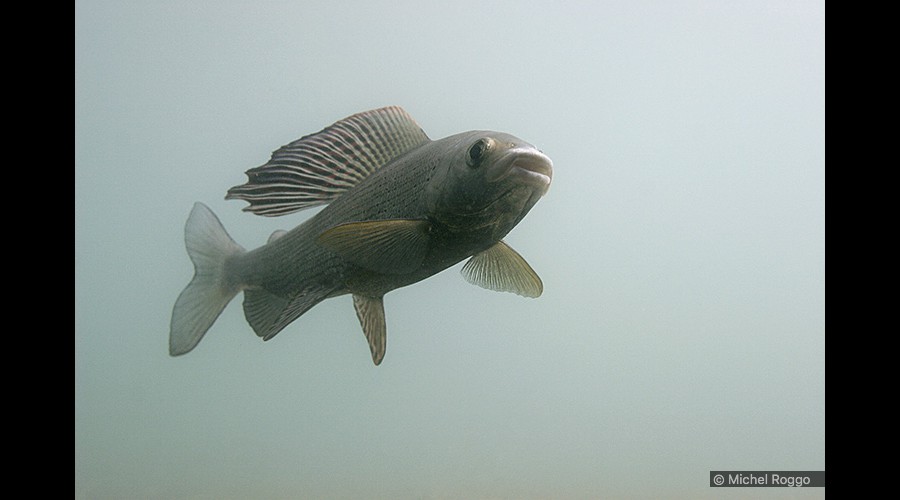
<point>400,208</point>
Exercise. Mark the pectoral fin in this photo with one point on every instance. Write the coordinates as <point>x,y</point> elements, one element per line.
<point>370,311</point>
<point>501,269</point>
<point>394,246</point>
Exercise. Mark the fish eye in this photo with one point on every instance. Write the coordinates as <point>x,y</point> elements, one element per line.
<point>477,152</point>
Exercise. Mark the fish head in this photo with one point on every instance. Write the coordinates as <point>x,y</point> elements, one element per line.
<point>488,181</point>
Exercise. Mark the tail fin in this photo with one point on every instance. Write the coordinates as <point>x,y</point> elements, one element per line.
<point>209,292</point>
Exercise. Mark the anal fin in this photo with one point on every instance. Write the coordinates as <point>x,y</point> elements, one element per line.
<point>268,313</point>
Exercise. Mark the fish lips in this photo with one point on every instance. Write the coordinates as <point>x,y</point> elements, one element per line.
<point>524,165</point>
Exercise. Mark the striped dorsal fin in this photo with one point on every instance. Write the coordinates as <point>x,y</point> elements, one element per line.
<point>317,168</point>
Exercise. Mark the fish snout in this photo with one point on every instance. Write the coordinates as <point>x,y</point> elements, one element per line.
<point>528,166</point>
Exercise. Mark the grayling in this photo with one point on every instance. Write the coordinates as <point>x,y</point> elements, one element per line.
<point>681,249</point>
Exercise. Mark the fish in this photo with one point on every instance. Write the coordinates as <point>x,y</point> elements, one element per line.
<point>399,208</point>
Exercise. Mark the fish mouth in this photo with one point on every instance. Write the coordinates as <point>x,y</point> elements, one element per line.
<point>528,166</point>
